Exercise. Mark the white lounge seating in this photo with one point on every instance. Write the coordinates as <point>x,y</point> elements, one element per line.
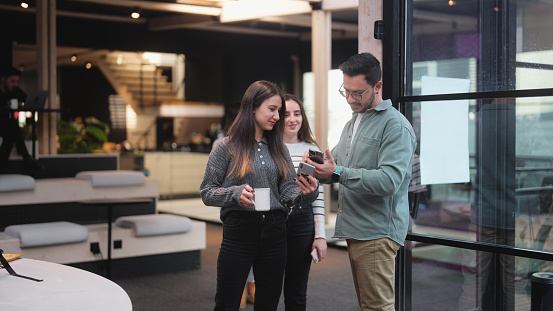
<point>16,182</point>
<point>49,233</point>
<point>157,234</point>
<point>112,178</point>
<point>155,224</point>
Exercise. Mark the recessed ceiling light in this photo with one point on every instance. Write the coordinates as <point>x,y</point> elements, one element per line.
<point>135,13</point>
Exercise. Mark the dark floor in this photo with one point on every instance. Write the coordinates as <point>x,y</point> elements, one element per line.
<point>330,283</point>
<point>436,286</point>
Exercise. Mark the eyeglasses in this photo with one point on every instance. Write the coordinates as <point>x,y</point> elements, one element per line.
<point>356,96</point>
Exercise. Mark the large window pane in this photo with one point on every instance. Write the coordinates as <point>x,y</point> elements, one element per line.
<point>498,45</point>
<point>510,147</point>
<point>447,278</point>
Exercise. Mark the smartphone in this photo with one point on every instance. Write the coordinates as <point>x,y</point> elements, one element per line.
<point>315,255</point>
<point>306,169</point>
<point>316,156</point>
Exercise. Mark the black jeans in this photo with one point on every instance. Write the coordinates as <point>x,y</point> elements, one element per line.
<point>11,135</point>
<point>301,232</point>
<point>255,239</point>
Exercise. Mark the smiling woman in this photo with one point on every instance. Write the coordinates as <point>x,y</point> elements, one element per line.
<point>267,115</point>
<point>306,224</point>
<point>253,156</point>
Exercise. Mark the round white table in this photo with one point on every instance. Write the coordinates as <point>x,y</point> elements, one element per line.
<point>62,288</point>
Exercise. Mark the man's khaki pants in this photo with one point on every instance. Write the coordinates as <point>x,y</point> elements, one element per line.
<point>373,266</point>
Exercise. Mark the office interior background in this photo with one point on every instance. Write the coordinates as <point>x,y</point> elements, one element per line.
<point>474,77</point>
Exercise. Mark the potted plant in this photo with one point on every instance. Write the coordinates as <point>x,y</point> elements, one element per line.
<point>82,137</point>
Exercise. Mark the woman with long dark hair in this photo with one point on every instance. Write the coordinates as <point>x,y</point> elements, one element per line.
<point>253,155</point>
<point>306,223</point>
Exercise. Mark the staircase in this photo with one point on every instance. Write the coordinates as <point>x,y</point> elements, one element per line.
<point>141,84</point>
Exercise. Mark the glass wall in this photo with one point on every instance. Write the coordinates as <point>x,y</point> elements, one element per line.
<point>478,87</point>
<point>507,199</point>
<point>447,278</point>
<point>498,45</point>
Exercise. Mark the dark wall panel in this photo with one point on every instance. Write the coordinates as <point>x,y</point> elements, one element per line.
<point>84,93</point>
<point>219,66</point>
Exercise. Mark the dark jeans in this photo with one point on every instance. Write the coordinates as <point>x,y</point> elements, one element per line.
<point>11,135</point>
<point>255,239</point>
<point>301,232</point>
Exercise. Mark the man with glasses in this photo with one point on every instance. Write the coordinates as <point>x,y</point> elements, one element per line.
<point>372,164</point>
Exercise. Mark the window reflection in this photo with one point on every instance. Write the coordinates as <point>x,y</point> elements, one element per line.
<point>464,40</point>
<point>508,201</point>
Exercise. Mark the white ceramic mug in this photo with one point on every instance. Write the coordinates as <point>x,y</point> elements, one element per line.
<point>262,199</point>
<point>14,103</point>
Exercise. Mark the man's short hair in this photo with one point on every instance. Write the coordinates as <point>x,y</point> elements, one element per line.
<point>9,71</point>
<point>363,64</point>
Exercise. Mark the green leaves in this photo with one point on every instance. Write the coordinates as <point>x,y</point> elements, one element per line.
<point>96,132</point>
<point>77,137</point>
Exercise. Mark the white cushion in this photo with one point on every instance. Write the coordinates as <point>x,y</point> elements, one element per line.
<point>48,233</point>
<point>112,178</point>
<point>15,182</point>
<point>156,224</point>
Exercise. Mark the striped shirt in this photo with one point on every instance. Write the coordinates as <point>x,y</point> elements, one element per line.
<point>296,153</point>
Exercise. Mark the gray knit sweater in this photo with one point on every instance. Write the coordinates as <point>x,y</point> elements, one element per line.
<point>219,190</point>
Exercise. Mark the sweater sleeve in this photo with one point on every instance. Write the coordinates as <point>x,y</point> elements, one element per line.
<point>211,189</point>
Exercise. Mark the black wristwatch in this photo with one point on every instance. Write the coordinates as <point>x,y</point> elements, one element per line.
<point>336,174</point>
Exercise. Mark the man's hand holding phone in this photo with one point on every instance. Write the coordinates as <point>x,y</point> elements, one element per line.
<point>323,170</point>
<point>316,156</point>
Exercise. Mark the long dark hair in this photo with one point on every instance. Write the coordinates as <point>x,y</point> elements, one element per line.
<point>304,134</point>
<point>230,115</point>
<point>242,131</point>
